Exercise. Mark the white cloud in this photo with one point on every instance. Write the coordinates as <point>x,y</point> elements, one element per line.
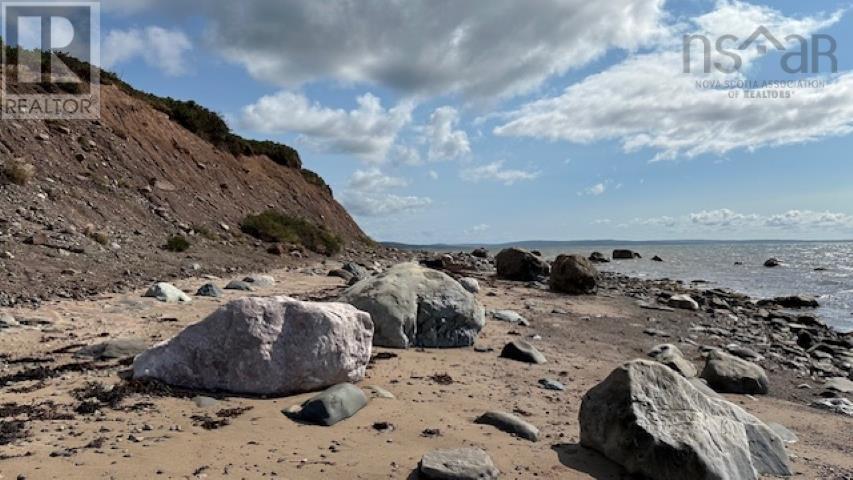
<point>496,172</point>
<point>482,50</point>
<point>445,142</point>
<point>368,131</point>
<point>405,155</point>
<point>158,47</point>
<point>720,218</point>
<point>367,195</point>
<point>433,174</point>
<point>811,219</point>
<point>726,220</point>
<point>595,190</point>
<point>647,101</point>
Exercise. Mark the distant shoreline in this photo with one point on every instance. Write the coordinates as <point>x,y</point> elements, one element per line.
<point>557,243</point>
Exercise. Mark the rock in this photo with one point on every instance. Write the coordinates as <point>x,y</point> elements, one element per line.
<point>574,275</point>
<point>238,285</point>
<point>624,255</point>
<point>729,374</point>
<point>703,387</point>
<point>168,293</point>
<point>772,262</point>
<point>553,385</point>
<point>796,301</point>
<point>205,402</point>
<point>114,349</point>
<point>684,302</point>
<point>654,423</point>
<point>260,281</point>
<point>523,352</point>
<point>379,392</point>
<point>209,290</point>
<point>509,423</point>
<point>470,284</point>
<point>839,384</point>
<point>8,321</point>
<point>841,406</point>
<point>598,257</point>
<point>265,346</point>
<point>671,356</point>
<point>413,306</point>
<point>358,272</point>
<point>510,316</point>
<point>480,253</point>
<point>657,259</point>
<point>786,435</point>
<point>458,464</point>
<point>520,265</point>
<point>744,353</point>
<point>333,405</point>
<point>341,273</point>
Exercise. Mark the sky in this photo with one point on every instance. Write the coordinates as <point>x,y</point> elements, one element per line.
<point>447,121</point>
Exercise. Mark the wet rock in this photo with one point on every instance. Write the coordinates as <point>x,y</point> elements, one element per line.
<point>624,255</point>
<point>520,265</point>
<point>684,302</point>
<point>470,284</point>
<point>574,275</point>
<point>644,416</point>
<point>238,285</point>
<point>458,464</point>
<point>657,259</point>
<point>265,346</point>
<point>510,316</point>
<point>772,263</point>
<point>522,351</point>
<point>168,293</point>
<point>511,424</point>
<point>114,349</point>
<point>795,301</point>
<point>598,257</point>
<point>726,373</point>
<point>332,406</point>
<point>671,356</point>
<point>209,290</point>
<point>413,306</point>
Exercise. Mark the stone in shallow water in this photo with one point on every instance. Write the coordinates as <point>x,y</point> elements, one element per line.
<point>333,405</point>
<point>523,352</point>
<point>458,464</point>
<point>511,424</point>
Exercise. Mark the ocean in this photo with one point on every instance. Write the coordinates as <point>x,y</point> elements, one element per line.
<point>715,263</point>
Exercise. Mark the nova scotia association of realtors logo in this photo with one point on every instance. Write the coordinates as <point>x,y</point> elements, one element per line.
<point>799,55</point>
<point>50,49</point>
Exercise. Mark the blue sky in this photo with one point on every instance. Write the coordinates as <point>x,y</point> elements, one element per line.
<point>492,121</point>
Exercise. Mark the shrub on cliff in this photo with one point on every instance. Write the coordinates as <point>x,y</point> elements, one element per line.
<point>273,226</point>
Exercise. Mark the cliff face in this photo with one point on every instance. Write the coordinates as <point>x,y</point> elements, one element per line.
<point>104,196</point>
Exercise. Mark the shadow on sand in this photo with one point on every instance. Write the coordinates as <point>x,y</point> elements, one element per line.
<point>588,461</point>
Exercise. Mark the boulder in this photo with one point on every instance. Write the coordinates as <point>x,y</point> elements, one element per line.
<point>333,405</point>
<point>520,265</point>
<point>772,263</point>
<point>522,351</point>
<point>654,423</point>
<point>470,284</point>
<point>260,281</point>
<point>657,259</point>
<point>168,293</point>
<point>796,301</point>
<point>841,406</point>
<point>458,464</point>
<point>413,306</point>
<point>265,346</point>
<point>480,253</point>
<point>509,423</point>
<point>727,373</point>
<point>509,316</point>
<point>598,257</point>
<point>238,285</point>
<point>114,349</point>
<point>624,255</point>
<point>684,302</point>
<point>574,275</point>
<point>839,384</point>
<point>358,272</point>
<point>671,356</point>
<point>341,273</point>
<point>209,290</point>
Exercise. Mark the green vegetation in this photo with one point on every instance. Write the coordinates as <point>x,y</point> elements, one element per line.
<point>273,226</point>
<point>177,243</point>
<point>18,172</point>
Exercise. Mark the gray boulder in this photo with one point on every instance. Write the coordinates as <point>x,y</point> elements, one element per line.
<point>671,356</point>
<point>265,346</point>
<point>470,284</point>
<point>624,255</point>
<point>358,272</point>
<point>654,423</point>
<point>598,257</point>
<point>168,293</point>
<point>839,384</point>
<point>510,424</point>
<point>260,281</point>
<point>520,265</point>
<point>114,349</point>
<point>209,290</point>
<point>772,263</point>
<point>238,285</point>
<point>727,373</point>
<point>522,351</point>
<point>413,306</point>
<point>574,275</point>
<point>509,316</point>
<point>333,405</point>
<point>684,302</point>
<point>458,464</point>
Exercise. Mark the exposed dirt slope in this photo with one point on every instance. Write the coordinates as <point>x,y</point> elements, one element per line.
<point>131,180</point>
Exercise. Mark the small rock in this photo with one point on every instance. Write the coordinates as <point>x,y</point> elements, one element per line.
<point>470,284</point>
<point>261,281</point>
<point>671,356</point>
<point>379,392</point>
<point>209,290</point>
<point>841,406</point>
<point>333,405</point>
<point>458,464</point>
<point>684,302</point>
<point>511,424</point>
<point>839,384</point>
<point>238,285</point>
<point>726,373</point>
<point>205,402</point>
<point>510,316</point>
<point>772,263</point>
<point>523,352</point>
<point>168,293</point>
<point>549,384</point>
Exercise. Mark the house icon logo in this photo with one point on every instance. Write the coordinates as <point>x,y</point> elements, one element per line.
<point>761,48</point>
